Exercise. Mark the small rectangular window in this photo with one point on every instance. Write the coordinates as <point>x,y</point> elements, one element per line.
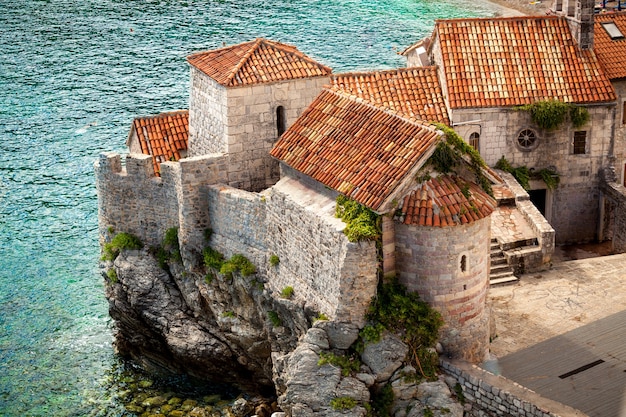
<point>580,142</point>
<point>624,112</point>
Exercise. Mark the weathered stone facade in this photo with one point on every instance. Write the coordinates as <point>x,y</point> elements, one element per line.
<point>244,123</point>
<point>449,268</point>
<point>567,207</point>
<point>328,273</point>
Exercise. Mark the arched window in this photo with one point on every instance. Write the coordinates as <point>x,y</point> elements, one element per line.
<point>281,120</point>
<point>474,139</point>
<point>463,263</point>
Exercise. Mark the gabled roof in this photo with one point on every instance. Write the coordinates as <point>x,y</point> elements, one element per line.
<point>611,52</point>
<point>358,149</point>
<point>163,136</point>
<point>412,92</point>
<point>494,62</point>
<point>255,62</point>
<point>446,201</point>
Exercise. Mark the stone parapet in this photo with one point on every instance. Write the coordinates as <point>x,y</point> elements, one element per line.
<point>494,395</point>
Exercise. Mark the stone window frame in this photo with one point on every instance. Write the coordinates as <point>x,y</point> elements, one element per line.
<point>463,263</point>
<point>576,142</point>
<point>473,139</point>
<point>281,120</point>
<point>522,135</point>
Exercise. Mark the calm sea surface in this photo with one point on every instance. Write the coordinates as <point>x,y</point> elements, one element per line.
<point>73,74</point>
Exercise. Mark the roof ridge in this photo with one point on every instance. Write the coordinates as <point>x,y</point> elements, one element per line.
<point>255,45</point>
<point>383,71</point>
<point>165,113</point>
<point>413,120</point>
<point>500,18</point>
<point>295,52</point>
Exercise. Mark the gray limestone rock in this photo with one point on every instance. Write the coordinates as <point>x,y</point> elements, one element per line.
<point>384,357</point>
<point>340,335</point>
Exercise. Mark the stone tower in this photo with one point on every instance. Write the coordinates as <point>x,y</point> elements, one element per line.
<point>579,15</point>
<point>242,99</point>
<point>442,251</point>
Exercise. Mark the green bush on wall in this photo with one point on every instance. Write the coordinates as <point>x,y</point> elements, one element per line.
<point>550,114</point>
<point>120,242</point>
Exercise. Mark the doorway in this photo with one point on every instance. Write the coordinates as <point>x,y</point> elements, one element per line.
<point>538,198</point>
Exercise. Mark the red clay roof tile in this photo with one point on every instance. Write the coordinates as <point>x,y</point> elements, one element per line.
<point>163,136</point>
<point>611,52</point>
<point>255,62</point>
<point>412,92</point>
<point>366,154</point>
<point>492,62</point>
<point>442,201</point>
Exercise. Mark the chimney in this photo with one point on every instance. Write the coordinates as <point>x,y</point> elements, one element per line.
<point>579,15</point>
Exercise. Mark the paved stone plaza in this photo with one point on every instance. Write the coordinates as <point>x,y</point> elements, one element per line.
<point>561,333</point>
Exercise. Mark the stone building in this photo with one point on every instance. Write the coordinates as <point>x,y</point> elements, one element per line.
<point>274,138</point>
<point>242,99</point>
<point>490,67</point>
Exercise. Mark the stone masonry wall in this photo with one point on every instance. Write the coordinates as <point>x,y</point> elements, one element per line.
<point>133,199</point>
<point>251,127</point>
<point>575,201</point>
<point>449,268</point>
<point>619,148</point>
<point>492,395</point>
<point>615,194</point>
<point>328,273</point>
<point>242,123</point>
<point>207,115</point>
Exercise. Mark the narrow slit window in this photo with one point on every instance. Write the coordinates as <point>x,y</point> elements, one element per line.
<point>281,121</point>
<point>580,142</point>
<point>463,263</point>
<point>624,112</point>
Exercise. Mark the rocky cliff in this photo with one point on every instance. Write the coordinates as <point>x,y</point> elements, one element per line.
<point>229,328</point>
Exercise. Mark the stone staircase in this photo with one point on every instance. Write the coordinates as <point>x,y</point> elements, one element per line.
<point>500,271</point>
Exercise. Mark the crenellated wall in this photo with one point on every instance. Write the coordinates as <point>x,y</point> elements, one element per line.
<point>291,220</point>
<point>133,199</point>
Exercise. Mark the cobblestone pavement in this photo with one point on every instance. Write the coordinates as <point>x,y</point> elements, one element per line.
<point>547,304</point>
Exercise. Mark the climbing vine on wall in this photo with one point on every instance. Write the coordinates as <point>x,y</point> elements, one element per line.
<point>523,175</point>
<point>550,114</point>
<point>450,153</point>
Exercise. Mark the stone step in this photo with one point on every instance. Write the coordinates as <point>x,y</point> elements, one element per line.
<point>511,279</point>
<point>499,275</point>
<point>496,269</point>
<point>499,260</point>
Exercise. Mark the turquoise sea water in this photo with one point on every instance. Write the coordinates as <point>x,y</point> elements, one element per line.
<point>73,74</point>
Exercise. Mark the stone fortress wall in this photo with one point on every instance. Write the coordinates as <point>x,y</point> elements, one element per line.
<point>328,273</point>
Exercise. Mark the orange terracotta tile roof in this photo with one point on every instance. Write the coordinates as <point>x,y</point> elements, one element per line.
<point>442,201</point>
<point>494,62</point>
<point>163,136</point>
<point>412,92</point>
<point>611,52</point>
<point>353,147</point>
<point>255,62</point>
